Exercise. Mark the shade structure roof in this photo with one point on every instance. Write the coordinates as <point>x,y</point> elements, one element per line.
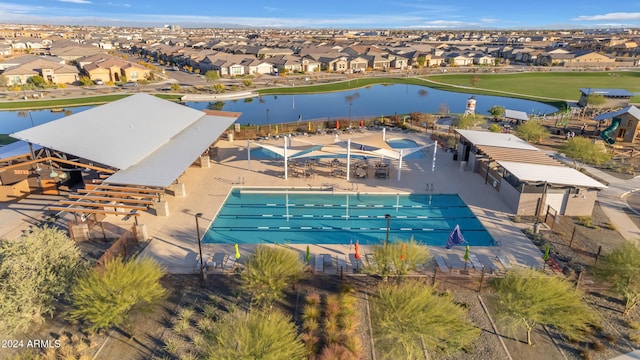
<point>497,153</point>
<point>371,146</point>
<point>515,114</point>
<point>373,141</point>
<point>167,163</point>
<point>558,175</point>
<point>496,139</point>
<point>607,92</point>
<point>632,110</point>
<point>150,140</point>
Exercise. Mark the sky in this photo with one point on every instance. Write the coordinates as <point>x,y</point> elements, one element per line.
<point>339,14</point>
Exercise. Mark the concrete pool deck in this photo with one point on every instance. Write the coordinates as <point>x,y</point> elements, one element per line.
<point>173,238</point>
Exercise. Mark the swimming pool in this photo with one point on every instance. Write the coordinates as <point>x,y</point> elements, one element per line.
<point>258,216</point>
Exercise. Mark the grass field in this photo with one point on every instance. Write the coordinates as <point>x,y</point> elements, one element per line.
<point>57,103</point>
<point>6,139</point>
<point>557,85</point>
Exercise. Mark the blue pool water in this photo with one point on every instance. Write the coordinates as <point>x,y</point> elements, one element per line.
<point>262,153</point>
<point>251,216</point>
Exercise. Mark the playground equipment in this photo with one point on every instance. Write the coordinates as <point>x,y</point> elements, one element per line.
<point>608,134</point>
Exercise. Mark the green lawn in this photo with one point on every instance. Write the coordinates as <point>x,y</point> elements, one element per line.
<point>557,85</point>
<point>5,139</point>
<point>57,103</point>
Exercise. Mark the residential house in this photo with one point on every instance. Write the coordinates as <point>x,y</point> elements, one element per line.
<point>378,61</point>
<point>309,65</point>
<point>23,59</point>
<point>358,64</point>
<point>481,59</point>
<point>289,63</point>
<point>398,61</point>
<point>589,58</point>
<point>72,53</point>
<point>338,64</point>
<point>458,59</point>
<point>112,69</point>
<point>256,66</point>
<point>271,52</point>
<point>52,72</point>
<point>584,58</point>
<point>5,50</point>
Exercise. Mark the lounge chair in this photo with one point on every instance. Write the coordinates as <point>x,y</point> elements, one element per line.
<point>327,260</point>
<point>489,265</point>
<point>504,260</point>
<point>442,265</point>
<point>196,265</point>
<point>230,264</point>
<point>455,263</point>
<point>319,264</point>
<point>356,264</point>
<point>342,263</point>
<point>475,262</point>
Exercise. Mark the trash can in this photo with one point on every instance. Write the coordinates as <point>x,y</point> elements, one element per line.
<point>455,156</point>
<point>463,165</point>
<point>536,228</point>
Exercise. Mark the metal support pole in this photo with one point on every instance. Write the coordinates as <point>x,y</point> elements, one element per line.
<point>249,155</point>
<point>348,157</point>
<point>202,279</point>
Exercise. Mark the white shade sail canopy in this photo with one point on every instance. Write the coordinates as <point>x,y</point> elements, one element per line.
<point>370,146</point>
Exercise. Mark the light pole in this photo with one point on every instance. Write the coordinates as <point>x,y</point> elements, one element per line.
<point>199,215</point>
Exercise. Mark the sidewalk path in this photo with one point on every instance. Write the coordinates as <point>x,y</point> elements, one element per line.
<point>612,199</point>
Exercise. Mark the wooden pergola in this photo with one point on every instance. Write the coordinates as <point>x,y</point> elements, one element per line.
<point>108,199</point>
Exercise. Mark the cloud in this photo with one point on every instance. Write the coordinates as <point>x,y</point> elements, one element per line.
<point>449,23</point>
<point>76,1</point>
<point>609,16</point>
<point>6,8</point>
<point>119,4</point>
<point>489,20</point>
<point>271,9</point>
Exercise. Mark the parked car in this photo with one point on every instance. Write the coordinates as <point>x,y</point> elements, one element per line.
<point>128,84</point>
<point>98,82</point>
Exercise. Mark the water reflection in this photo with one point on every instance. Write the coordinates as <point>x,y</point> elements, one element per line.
<point>371,101</point>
